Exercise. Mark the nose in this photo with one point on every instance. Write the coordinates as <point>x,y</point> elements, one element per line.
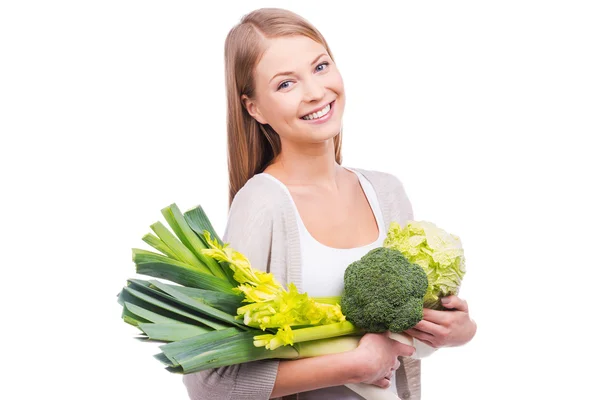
<point>313,90</point>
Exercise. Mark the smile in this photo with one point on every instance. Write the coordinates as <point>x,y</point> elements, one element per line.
<point>319,114</point>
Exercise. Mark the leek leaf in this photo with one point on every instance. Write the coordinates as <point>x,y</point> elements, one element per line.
<point>159,245</point>
<point>160,304</point>
<point>189,238</point>
<point>183,253</point>
<point>171,332</point>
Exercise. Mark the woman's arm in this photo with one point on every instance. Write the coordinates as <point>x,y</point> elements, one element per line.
<point>373,361</point>
<point>314,373</point>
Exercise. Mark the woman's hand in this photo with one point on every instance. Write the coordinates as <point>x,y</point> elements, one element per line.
<point>452,327</point>
<point>377,356</point>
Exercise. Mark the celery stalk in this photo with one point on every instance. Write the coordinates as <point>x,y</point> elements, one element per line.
<point>328,300</point>
<point>321,347</point>
<point>283,337</point>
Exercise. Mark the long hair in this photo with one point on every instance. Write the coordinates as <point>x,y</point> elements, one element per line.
<point>251,145</point>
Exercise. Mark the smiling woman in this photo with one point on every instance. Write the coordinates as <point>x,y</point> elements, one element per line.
<point>304,105</point>
<point>280,72</point>
<point>296,212</point>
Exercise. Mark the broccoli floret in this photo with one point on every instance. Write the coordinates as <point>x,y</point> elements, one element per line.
<point>384,291</point>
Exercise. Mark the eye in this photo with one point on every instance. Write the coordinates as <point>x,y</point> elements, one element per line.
<point>283,84</point>
<point>283,87</point>
<point>323,63</point>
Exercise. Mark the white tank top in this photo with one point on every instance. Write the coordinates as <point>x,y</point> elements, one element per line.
<point>323,270</point>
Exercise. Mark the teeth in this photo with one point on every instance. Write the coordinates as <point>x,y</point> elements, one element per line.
<point>318,114</point>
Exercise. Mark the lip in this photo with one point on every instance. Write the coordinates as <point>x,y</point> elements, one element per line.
<point>324,118</point>
<point>317,109</point>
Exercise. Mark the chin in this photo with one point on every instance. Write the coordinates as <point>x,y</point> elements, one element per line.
<point>318,137</point>
<point>323,132</point>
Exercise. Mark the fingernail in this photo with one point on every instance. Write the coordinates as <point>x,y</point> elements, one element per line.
<point>445,300</point>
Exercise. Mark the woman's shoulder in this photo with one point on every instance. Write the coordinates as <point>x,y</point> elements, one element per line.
<point>380,180</point>
<point>392,196</point>
<point>259,195</point>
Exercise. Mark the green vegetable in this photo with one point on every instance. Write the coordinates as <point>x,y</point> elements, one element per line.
<point>438,252</point>
<point>383,291</point>
<point>221,304</point>
<point>291,336</point>
<point>221,311</point>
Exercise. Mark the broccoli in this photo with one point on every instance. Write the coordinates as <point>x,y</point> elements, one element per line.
<point>384,291</point>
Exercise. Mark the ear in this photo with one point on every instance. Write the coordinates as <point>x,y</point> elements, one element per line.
<point>252,109</point>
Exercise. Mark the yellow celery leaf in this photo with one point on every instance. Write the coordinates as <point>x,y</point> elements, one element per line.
<point>244,274</point>
<point>270,305</point>
<point>250,307</point>
<point>256,294</point>
<point>285,335</point>
<point>333,313</point>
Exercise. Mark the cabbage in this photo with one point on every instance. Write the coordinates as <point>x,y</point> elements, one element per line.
<point>438,252</point>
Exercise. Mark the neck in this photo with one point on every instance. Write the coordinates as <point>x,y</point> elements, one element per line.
<point>307,165</point>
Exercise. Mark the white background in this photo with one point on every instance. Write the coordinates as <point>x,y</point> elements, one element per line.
<point>487,111</point>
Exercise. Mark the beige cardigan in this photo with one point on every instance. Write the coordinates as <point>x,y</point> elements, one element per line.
<point>262,225</point>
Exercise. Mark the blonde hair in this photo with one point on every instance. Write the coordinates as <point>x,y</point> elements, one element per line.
<point>251,145</point>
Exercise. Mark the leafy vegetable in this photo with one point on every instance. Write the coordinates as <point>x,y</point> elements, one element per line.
<point>438,252</point>
<point>221,311</point>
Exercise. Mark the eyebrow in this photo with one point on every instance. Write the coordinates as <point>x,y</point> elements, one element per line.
<point>291,72</point>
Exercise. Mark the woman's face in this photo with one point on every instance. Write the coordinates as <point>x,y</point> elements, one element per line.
<point>296,78</point>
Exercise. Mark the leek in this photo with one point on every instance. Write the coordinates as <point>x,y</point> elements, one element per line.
<point>188,237</point>
<point>159,245</point>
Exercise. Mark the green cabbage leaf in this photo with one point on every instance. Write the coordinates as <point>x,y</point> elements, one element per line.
<point>438,252</point>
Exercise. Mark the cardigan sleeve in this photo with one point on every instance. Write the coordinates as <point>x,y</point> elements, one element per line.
<point>249,231</point>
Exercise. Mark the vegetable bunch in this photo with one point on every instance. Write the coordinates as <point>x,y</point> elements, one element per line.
<point>220,311</point>
<point>220,304</point>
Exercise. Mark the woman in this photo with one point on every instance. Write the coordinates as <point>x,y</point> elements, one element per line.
<point>297,213</point>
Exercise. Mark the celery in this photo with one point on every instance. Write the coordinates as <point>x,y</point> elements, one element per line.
<point>334,300</point>
<point>291,336</point>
